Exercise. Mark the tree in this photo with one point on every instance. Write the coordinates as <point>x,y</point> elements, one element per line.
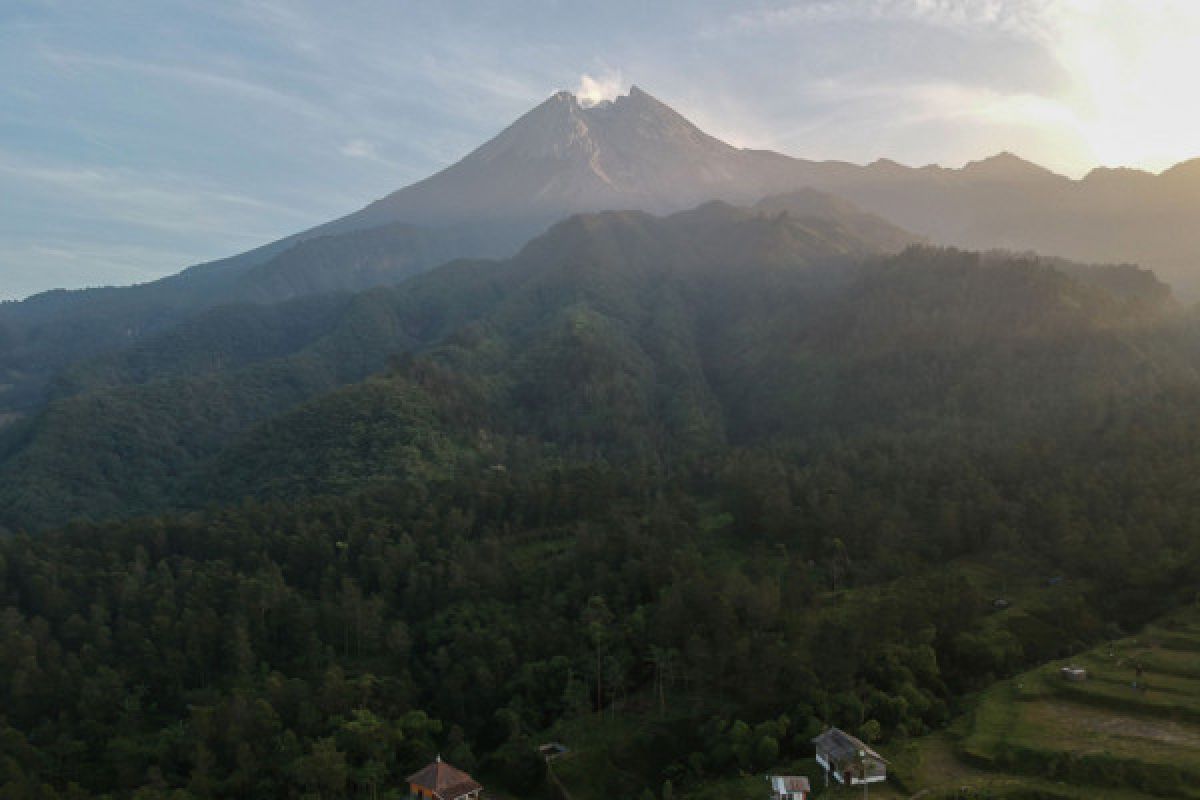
<point>323,770</point>
<point>596,619</point>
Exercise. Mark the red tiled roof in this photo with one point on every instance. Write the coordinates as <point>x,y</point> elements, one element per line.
<point>459,789</point>
<point>444,780</point>
<point>790,783</point>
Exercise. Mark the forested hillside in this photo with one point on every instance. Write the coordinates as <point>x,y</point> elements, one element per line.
<point>617,336</point>
<point>330,646</point>
<point>124,433</point>
<point>737,470</point>
<point>51,332</point>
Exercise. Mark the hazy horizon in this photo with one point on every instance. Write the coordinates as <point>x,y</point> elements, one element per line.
<point>135,143</point>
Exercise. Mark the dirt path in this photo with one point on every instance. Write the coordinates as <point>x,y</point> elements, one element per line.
<point>940,766</point>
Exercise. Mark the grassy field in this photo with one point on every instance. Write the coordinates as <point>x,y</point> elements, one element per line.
<point>1041,736</point>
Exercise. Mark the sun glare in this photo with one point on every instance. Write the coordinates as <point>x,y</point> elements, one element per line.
<point>1133,70</point>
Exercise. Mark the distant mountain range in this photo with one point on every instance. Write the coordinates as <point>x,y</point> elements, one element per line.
<point>633,153</point>
<point>637,153</point>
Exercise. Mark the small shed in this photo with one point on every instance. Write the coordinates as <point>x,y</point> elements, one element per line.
<point>848,759</point>
<point>553,750</point>
<point>1073,673</point>
<point>789,787</point>
<point>440,781</point>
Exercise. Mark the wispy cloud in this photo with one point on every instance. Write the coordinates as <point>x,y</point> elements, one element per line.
<point>368,151</point>
<point>185,76</point>
<point>358,148</point>
<point>28,267</point>
<point>160,201</point>
<point>1021,17</point>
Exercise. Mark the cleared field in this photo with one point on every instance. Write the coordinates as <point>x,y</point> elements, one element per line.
<point>934,770</point>
<point>1119,733</point>
<point>1084,730</point>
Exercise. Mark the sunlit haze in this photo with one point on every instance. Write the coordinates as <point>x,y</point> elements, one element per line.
<point>1131,95</point>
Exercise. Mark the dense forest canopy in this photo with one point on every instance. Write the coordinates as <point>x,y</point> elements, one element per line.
<point>745,471</point>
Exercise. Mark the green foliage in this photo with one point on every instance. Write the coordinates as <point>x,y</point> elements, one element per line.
<point>615,336</point>
<point>58,330</point>
<point>710,469</point>
<point>1102,731</point>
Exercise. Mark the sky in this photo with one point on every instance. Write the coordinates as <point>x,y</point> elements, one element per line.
<point>137,138</point>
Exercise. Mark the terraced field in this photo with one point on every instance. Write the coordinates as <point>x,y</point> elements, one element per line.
<point>1037,736</point>
<point>1113,735</point>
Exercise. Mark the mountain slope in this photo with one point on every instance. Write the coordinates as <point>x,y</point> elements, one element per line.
<point>677,372</point>
<point>636,152</point>
<point>633,153</point>
<point>616,336</point>
<point>121,432</point>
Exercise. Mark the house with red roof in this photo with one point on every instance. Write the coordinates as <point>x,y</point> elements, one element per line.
<point>440,781</point>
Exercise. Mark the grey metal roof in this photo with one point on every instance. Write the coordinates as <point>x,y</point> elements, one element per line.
<point>841,746</point>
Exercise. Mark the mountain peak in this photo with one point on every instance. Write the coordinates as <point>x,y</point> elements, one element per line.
<point>1184,172</point>
<point>564,127</point>
<point>1006,166</point>
<point>634,97</point>
<point>633,151</point>
<point>638,95</point>
<point>1117,176</point>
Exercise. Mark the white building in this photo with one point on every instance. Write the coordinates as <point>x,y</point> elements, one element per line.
<point>848,759</point>
<point>789,787</point>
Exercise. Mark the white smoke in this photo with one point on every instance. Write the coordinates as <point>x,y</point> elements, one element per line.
<point>593,91</point>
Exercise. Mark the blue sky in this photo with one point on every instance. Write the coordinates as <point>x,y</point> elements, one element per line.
<point>137,138</point>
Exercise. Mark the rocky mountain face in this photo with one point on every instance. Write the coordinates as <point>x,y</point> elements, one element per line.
<point>630,153</point>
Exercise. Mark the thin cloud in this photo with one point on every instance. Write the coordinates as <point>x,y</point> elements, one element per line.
<point>358,148</point>
<point>223,85</point>
<point>1021,17</point>
<point>30,267</point>
<point>163,202</point>
<point>367,151</point>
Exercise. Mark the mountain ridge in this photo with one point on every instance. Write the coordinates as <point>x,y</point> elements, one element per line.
<point>634,152</point>
<point>613,335</point>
